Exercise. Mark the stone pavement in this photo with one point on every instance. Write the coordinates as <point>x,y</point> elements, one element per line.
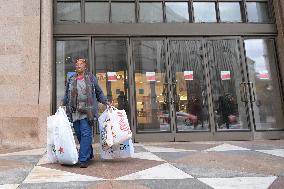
<point>176,165</point>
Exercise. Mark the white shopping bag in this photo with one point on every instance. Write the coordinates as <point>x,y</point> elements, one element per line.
<point>50,148</point>
<point>65,147</point>
<point>119,125</point>
<point>105,130</point>
<point>124,150</point>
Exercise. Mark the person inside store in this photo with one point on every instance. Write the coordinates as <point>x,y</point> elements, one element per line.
<point>82,94</point>
<point>122,103</point>
<point>227,109</point>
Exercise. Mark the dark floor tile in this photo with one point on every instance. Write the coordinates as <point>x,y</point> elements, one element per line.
<point>242,161</point>
<point>55,185</point>
<point>109,169</point>
<point>189,145</point>
<point>172,156</point>
<point>138,149</point>
<point>116,185</point>
<point>278,183</point>
<point>5,150</point>
<point>171,184</point>
<point>33,160</point>
<point>202,172</point>
<point>14,176</point>
<point>259,144</point>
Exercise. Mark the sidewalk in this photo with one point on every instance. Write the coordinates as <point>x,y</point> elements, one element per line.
<point>179,165</point>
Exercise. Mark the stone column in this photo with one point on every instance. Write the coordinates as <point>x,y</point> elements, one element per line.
<point>19,72</point>
<point>46,57</point>
<point>279,16</point>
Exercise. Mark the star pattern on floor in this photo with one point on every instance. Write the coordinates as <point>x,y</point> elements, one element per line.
<point>218,166</point>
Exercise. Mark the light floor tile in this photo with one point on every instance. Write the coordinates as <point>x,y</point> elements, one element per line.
<point>162,149</point>
<point>239,182</point>
<point>43,160</point>
<point>33,152</point>
<point>147,155</point>
<point>43,174</point>
<point>164,171</point>
<point>275,152</point>
<point>225,147</point>
<point>9,186</point>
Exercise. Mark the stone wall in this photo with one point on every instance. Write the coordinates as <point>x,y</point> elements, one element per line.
<point>25,79</point>
<point>279,16</point>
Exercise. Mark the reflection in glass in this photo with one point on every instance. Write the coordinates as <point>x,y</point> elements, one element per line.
<point>225,65</point>
<point>230,12</point>
<point>177,12</point>
<point>151,91</point>
<point>261,67</point>
<point>150,12</point>
<point>257,12</point>
<point>190,88</point>
<point>111,72</point>
<point>68,12</point>
<point>204,12</point>
<point>67,52</point>
<point>123,12</point>
<point>97,12</point>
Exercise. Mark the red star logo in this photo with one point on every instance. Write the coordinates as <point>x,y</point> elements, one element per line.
<point>61,150</point>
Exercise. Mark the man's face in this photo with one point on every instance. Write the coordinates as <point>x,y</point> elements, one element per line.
<point>80,66</point>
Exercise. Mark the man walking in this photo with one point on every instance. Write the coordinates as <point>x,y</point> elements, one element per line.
<point>81,96</point>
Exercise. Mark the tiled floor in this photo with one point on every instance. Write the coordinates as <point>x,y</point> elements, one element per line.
<point>219,165</point>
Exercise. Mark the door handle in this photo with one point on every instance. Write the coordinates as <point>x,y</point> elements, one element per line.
<point>243,92</point>
<point>253,91</point>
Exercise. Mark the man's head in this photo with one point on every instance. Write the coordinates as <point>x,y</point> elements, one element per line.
<point>80,65</point>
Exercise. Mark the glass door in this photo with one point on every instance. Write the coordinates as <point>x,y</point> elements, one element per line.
<point>153,119</point>
<point>229,87</point>
<point>111,70</point>
<point>267,103</point>
<point>189,83</point>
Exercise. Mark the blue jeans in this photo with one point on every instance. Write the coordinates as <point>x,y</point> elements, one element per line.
<point>84,136</point>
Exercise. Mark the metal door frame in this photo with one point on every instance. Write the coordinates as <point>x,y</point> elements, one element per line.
<point>173,135</point>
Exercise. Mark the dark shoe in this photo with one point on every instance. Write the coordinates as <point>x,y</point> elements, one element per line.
<point>83,164</point>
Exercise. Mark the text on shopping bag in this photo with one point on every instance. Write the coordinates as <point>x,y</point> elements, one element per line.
<point>123,123</point>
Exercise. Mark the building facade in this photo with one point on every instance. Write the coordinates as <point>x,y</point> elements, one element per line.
<point>182,70</point>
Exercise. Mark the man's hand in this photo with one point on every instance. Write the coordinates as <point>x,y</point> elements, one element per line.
<point>108,103</point>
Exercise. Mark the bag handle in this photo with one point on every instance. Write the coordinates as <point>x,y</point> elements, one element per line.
<point>110,108</point>
<point>61,110</point>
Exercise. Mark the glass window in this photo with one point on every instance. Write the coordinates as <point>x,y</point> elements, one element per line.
<point>177,12</point>
<point>123,12</point>
<point>67,52</point>
<point>97,12</point>
<point>257,12</point>
<point>68,12</point>
<point>151,12</point>
<point>230,12</point>
<point>204,12</point>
